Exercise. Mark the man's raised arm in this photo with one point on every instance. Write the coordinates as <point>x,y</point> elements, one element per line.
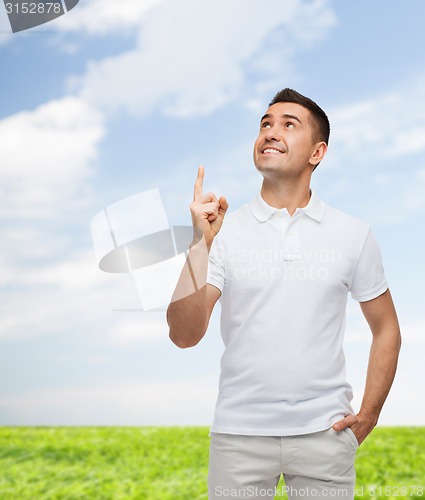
<point>191,305</point>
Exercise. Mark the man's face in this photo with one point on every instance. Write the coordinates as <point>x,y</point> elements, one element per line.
<point>285,143</point>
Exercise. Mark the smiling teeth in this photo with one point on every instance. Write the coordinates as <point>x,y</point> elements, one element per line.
<point>273,151</point>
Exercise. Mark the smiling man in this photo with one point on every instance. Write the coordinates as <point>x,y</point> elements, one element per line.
<point>282,267</point>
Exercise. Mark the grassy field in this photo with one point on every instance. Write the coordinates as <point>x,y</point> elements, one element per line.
<point>166,463</point>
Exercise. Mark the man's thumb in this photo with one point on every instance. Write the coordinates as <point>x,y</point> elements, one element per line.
<point>223,205</point>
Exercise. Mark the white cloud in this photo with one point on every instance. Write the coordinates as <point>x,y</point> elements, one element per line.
<point>102,17</point>
<point>414,332</point>
<point>168,402</point>
<point>150,403</point>
<point>46,155</point>
<point>53,297</point>
<point>193,55</point>
<point>91,17</point>
<point>412,198</point>
<point>383,128</point>
<point>384,195</point>
<point>374,166</point>
<point>144,327</point>
<point>75,273</point>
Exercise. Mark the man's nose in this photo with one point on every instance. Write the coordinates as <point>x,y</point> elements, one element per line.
<point>272,134</point>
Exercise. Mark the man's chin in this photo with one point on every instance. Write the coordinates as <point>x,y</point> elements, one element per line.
<point>270,168</point>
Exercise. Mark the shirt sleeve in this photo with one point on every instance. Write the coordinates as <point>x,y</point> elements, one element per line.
<point>216,265</point>
<point>368,279</point>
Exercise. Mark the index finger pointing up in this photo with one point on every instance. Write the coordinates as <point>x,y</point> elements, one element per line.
<point>197,191</point>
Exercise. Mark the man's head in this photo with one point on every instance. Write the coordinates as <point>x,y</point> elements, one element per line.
<point>319,120</point>
<point>293,136</point>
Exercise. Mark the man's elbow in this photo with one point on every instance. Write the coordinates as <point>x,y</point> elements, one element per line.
<point>396,338</point>
<point>399,340</point>
<point>180,342</point>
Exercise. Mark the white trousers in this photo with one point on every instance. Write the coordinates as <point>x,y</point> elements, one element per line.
<point>316,465</point>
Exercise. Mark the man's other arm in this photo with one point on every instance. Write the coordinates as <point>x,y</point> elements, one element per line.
<point>381,316</point>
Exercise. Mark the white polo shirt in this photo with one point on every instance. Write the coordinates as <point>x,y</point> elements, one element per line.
<point>284,283</point>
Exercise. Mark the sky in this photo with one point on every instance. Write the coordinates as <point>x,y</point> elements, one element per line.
<point>114,99</point>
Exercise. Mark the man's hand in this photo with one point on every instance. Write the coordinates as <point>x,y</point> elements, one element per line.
<point>360,425</point>
<point>207,212</point>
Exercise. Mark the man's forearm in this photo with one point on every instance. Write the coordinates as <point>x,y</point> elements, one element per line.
<point>186,314</point>
<point>381,370</point>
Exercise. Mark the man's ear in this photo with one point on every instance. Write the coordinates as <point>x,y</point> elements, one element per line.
<point>318,154</point>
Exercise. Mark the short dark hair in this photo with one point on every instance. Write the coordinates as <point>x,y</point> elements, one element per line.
<point>321,122</point>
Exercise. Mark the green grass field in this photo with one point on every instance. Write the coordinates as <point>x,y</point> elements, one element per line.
<point>171,463</point>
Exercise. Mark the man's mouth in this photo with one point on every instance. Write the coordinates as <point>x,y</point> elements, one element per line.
<point>272,151</point>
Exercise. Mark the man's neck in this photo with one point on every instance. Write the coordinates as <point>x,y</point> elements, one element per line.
<point>289,195</point>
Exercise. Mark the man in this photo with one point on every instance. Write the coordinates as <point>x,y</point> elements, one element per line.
<point>282,267</point>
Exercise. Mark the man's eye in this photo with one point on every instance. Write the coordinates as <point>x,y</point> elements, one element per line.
<point>289,125</point>
<point>265,125</point>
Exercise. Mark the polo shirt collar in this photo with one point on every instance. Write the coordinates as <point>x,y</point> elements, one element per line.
<point>315,208</point>
<point>260,209</point>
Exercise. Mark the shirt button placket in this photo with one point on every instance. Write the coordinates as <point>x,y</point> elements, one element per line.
<point>292,247</point>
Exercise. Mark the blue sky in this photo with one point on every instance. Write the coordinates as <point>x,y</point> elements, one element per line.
<point>114,99</point>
